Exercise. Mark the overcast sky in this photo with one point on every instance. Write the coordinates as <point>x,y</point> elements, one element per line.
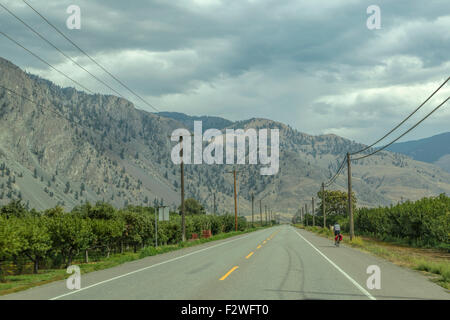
<point>311,64</point>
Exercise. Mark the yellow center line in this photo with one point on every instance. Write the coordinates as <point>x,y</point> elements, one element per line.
<point>264,241</point>
<point>249,255</point>
<point>228,273</point>
<point>258,247</point>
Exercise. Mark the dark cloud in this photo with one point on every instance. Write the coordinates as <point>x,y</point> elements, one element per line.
<point>294,61</point>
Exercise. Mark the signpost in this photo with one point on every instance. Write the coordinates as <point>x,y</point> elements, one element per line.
<point>160,215</point>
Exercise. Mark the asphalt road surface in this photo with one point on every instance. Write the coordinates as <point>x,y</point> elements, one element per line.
<point>275,263</point>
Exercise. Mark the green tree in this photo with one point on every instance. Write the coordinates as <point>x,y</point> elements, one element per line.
<point>67,189</point>
<point>107,232</point>
<point>14,208</point>
<point>11,241</point>
<point>69,235</point>
<point>192,206</point>
<point>336,206</point>
<point>37,240</point>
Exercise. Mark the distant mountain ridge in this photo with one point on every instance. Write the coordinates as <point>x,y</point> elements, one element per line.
<point>208,122</point>
<point>74,147</point>
<point>435,149</point>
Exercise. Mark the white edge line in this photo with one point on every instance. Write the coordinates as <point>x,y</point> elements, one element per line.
<point>153,265</point>
<point>339,269</point>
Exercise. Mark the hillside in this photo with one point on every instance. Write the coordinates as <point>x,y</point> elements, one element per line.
<point>69,147</point>
<point>188,121</point>
<point>435,149</point>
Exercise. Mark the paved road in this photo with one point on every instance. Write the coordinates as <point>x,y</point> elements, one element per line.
<point>277,263</point>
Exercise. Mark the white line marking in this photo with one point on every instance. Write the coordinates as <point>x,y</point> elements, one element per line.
<point>153,265</point>
<point>339,269</point>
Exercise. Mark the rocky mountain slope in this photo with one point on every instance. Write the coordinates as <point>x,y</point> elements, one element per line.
<point>66,147</point>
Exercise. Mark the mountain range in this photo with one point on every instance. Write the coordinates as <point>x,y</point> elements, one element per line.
<point>61,146</point>
<point>435,149</point>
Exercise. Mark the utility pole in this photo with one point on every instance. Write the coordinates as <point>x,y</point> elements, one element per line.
<point>214,207</point>
<point>235,202</point>
<point>235,199</point>
<point>350,209</point>
<point>306,213</point>
<point>265,211</point>
<point>313,213</point>
<point>183,220</point>
<point>253,211</point>
<point>155,205</point>
<point>260,212</point>
<point>303,221</point>
<point>323,206</point>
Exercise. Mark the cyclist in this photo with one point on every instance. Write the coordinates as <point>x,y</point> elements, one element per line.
<point>337,233</point>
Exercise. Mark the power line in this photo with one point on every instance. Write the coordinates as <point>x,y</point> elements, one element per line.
<point>429,114</point>
<point>409,116</point>
<point>42,60</point>
<point>91,58</point>
<point>331,180</point>
<point>45,107</point>
<point>60,51</point>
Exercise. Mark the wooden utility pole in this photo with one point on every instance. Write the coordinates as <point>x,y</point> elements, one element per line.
<point>235,202</point>
<point>306,213</point>
<point>253,211</point>
<point>313,213</point>
<point>303,221</point>
<point>265,211</point>
<point>182,213</point>
<point>214,206</point>
<point>183,220</point>
<point>260,212</point>
<point>155,204</point>
<point>350,209</point>
<point>323,206</point>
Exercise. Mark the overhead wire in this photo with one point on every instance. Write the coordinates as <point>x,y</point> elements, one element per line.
<point>332,179</point>
<point>415,125</point>
<point>44,61</point>
<point>59,50</point>
<point>92,59</point>
<point>403,121</point>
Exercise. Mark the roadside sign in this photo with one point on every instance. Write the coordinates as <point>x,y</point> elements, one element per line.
<point>164,214</point>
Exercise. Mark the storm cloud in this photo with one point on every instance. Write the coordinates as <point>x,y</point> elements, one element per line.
<point>311,64</point>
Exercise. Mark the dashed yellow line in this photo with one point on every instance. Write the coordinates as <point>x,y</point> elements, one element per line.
<point>249,255</point>
<point>259,246</point>
<point>228,273</point>
<point>264,242</point>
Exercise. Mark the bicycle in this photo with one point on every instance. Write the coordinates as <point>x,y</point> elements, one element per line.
<point>337,239</point>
